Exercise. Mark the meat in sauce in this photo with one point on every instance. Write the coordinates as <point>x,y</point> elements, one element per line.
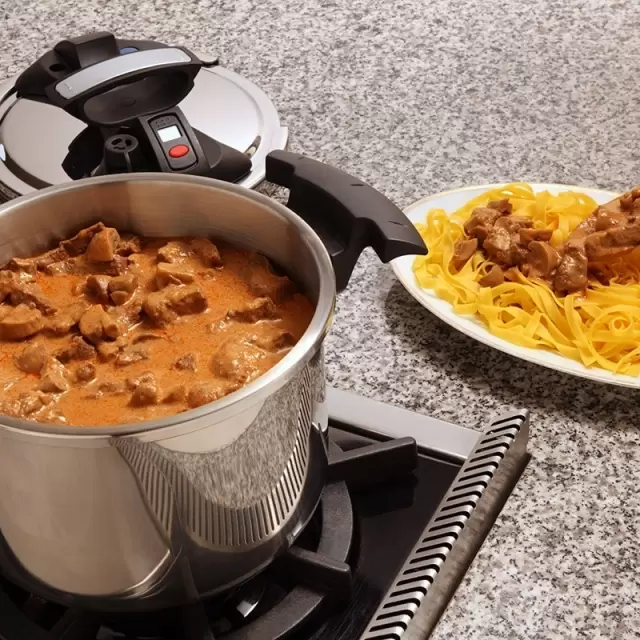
<point>510,242</point>
<point>109,328</point>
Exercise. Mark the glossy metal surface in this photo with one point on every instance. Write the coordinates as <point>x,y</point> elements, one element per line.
<point>34,137</point>
<point>443,438</point>
<point>160,512</point>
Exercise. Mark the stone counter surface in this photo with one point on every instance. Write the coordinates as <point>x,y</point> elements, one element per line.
<point>417,97</point>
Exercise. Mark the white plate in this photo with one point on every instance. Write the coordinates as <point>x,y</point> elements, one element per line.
<point>450,201</point>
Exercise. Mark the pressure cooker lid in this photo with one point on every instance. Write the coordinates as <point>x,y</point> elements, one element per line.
<point>35,137</point>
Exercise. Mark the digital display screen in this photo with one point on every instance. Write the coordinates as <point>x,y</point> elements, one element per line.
<point>169,133</point>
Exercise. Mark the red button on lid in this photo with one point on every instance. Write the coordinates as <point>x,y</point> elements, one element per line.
<point>178,151</point>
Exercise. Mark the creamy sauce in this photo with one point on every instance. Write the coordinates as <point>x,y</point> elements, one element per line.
<point>193,356</point>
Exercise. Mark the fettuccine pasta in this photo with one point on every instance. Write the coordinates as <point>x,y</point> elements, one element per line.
<point>600,328</point>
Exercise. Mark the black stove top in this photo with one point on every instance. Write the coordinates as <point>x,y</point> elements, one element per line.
<point>381,495</point>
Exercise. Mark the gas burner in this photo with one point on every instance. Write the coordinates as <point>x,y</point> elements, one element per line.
<point>393,512</point>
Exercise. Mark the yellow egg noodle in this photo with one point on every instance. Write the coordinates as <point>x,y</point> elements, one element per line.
<point>600,328</point>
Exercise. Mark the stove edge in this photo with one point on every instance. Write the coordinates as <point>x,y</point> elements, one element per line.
<point>433,570</point>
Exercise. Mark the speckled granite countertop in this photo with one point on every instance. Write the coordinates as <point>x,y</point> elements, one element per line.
<point>417,97</point>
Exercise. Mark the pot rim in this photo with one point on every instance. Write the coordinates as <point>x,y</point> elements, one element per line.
<point>268,382</point>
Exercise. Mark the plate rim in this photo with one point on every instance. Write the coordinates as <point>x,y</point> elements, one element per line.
<point>483,335</point>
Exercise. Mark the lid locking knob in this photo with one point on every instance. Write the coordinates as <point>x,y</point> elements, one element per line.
<point>122,154</point>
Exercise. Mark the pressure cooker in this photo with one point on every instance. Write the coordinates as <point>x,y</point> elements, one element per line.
<point>165,512</point>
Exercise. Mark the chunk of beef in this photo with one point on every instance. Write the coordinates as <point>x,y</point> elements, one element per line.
<point>67,318</point>
<point>206,251</point>
<point>85,373</point>
<point>612,243</point>
<point>174,251</point>
<point>535,235</point>
<point>177,394</point>
<point>122,288</point>
<point>27,293</point>
<point>601,273</point>
<point>7,280</point>
<point>97,286</point>
<point>128,313</point>
<point>96,325</point>
<point>501,248</point>
<point>187,362</point>
<point>481,222</point>
<point>116,267</point>
<point>585,228</point>
<point>145,390</point>
<point>145,395</point>
<point>102,246</point>
<point>157,306</point>
<point>514,224</point>
<point>542,259</point>
<point>284,340</point>
<point>571,274</point>
<point>23,267</point>
<point>503,206</point>
<point>32,358</point>
<point>134,383</point>
<point>207,392</point>
<point>131,355</point>
<point>273,343</point>
<point>50,257</point>
<point>258,309</point>
<point>54,378</point>
<point>186,300</point>
<point>503,243</point>
<point>20,322</point>
<point>607,219</point>
<point>112,387</point>
<point>493,277</point>
<point>264,282</point>
<point>626,200</point>
<point>79,243</point>
<point>62,267</point>
<point>596,245</point>
<point>109,388</point>
<point>237,361</point>
<point>128,245</point>
<point>462,251</point>
<point>624,235</point>
<point>76,349</point>
<point>172,273</point>
<point>10,279</point>
<point>107,351</point>
<point>166,305</point>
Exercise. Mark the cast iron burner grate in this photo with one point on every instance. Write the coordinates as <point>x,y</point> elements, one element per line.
<point>313,577</point>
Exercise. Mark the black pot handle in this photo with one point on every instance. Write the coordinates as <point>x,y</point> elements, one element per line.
<point>346,213</point>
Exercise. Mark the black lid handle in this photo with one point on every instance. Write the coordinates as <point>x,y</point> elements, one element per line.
<point>346,213</point>
<point>88,49</point>
<point>120,89</point>
<point>107,82</point>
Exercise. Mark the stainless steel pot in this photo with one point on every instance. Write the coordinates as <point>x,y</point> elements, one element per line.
<point>163,512</point>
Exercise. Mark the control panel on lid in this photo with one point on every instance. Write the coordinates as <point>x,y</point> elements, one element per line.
<point>174,142</point>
